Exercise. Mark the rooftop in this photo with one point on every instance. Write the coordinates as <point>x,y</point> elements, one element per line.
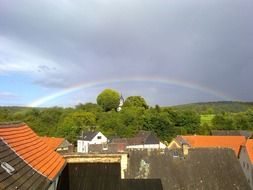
<point>202,168</point>
<point>245,133</point>
<point>102,176</point>
<point>52,142</point>
<point>198,141</point>
<point>143,137</point>
<point>88,136</point>
<point>34,151</point>
<point>23,176</point>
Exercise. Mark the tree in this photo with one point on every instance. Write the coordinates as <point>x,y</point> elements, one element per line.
<point>111,124</point>
<point>190,120</point>
<point>108,99</point>
<point>74,122</point>
<point>135,101</point>
<point>89,107</point>
<point>223,122</point>
<point>160,123</point>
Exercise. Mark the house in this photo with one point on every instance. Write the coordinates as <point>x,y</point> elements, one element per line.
<point>203,168</point>
<point>26,161</point>
<point>89,138</point>
<point>143,140</point>
<point>57,144</point>
<point>246,160</point>
<point>201,141</point>
<point>246,134</point>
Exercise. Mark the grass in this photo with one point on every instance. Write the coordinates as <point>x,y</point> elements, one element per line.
<point>207,118</point>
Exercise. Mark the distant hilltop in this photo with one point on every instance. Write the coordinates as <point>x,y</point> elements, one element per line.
<point>216,107</point>
<point>200,107</point>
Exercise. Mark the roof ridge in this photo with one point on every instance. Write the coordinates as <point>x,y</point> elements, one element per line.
<point>24,159</point>
<point>11,124</point>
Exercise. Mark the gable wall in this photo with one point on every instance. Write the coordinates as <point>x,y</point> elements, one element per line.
<point>246,165</point>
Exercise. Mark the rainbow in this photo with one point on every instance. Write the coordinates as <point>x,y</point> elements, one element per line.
<point>80,86</point>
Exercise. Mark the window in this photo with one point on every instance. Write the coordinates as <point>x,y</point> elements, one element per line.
<point>175,154</point>
<point>99,137</point>
<point>105,146</point>
<point>247,166</point>
<point>243,164</point>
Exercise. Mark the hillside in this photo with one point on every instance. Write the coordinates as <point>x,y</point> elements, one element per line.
<point>216,107</point>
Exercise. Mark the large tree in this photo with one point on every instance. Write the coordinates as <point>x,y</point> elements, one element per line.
<point>75,122</point>
<point>135,101</point>
<point>108,99</point>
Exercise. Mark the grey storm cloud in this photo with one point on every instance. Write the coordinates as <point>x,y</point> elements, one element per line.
<point>208,42</point>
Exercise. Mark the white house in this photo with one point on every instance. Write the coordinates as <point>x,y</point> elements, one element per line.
<point>90,138</point>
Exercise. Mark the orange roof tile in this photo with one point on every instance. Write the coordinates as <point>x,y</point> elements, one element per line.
<point>249,148</point>
<point>52,142</point>
<point>233,142</point>
<point>33,149</point>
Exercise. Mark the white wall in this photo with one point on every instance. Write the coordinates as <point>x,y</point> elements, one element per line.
<point>98,139</point>
<point>151,146</point>
<point>83,146</point>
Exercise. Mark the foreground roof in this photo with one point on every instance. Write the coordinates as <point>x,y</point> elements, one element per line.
<point>52,142</point>
<point>198,141</point>
<point>202,168</point>
<point>23,176</point>
<point>30,148</point>
<point>101,176</point>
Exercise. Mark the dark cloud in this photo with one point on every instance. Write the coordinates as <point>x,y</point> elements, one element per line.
<point>208,42</point>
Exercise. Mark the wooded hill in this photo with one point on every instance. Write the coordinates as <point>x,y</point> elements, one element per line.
<point>135,115</point>
<point>216,107</point>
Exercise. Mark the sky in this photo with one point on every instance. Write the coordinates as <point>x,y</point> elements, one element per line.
<point>65,52</point>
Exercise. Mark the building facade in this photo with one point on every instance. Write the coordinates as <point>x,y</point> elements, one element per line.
<point>246,160</point>
<point>89,138</point>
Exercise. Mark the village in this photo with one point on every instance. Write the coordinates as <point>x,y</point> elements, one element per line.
<point>223,159</point>
<point>126,95</point>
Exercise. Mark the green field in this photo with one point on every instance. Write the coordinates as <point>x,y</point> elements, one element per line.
<point>207,118</point>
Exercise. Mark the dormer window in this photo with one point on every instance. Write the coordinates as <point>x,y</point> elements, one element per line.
<point>99,137</point>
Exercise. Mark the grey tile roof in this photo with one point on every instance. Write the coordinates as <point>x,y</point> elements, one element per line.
<point>203,168</point>
<point>24,177</point>
<point>88,136</point>
<point>143,137</point>
<point>245,133</point>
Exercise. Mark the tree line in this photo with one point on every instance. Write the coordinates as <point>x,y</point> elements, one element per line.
<point>135,115</point>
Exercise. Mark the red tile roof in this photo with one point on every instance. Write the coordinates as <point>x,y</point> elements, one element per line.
<point>249,148</point>
<point>233,142</point>
<point>52,142</point>
<point>32,149</point>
